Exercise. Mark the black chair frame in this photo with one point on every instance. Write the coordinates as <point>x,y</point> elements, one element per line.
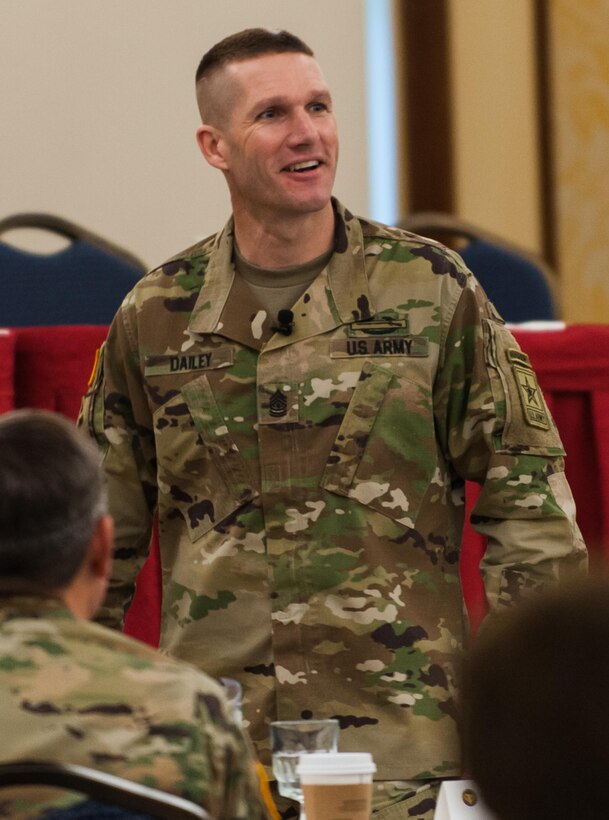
<point>101,786</point>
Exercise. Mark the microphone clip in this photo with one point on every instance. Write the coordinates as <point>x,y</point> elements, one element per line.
<point>285,320</point>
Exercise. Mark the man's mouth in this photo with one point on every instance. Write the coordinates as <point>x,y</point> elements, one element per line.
<point>303,166</point>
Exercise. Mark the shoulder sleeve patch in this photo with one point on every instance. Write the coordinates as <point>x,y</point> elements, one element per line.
<point>533,405</point>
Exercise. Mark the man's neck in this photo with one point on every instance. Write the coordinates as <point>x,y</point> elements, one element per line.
<point>283,244</point>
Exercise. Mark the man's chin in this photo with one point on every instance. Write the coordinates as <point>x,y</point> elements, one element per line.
<point>309,204</point>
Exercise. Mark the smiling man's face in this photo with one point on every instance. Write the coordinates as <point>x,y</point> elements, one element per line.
<point>278,144</point>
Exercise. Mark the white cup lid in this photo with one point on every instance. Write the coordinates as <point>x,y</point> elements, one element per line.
<point>336,763</point>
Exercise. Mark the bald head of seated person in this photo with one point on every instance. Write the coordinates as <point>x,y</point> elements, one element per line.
<point>75,692</point>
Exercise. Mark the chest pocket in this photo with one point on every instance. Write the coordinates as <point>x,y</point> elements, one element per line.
<point>384,455</point>
<point>201,472</point>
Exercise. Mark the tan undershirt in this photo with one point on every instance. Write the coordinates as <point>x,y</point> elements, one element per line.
<point>279,289</point>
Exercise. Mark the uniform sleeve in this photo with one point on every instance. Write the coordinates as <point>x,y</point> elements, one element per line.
<point>497,430</point>
<point>116,414</point>
<point>230,786</point>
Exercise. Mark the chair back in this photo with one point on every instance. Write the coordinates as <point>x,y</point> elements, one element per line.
<point>110,795</point>
<point>84,283</point>
<point>520,284</point>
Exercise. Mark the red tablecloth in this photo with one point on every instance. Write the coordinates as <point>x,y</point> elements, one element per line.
<point>53,365</point>
<point>7,370</point>
<point>572,367</point>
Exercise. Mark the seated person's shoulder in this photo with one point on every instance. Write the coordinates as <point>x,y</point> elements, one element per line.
<point>140,671</point>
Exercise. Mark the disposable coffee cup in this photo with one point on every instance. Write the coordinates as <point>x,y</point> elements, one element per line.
<point>336,785</point>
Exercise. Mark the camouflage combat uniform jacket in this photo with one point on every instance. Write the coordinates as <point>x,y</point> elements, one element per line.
<point>76,692</point>
<point>310,487</point>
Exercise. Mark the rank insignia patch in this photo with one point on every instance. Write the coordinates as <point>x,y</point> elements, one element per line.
<point>278,403</point>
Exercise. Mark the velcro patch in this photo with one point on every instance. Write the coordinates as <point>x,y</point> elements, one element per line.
<point>93,378</point>
<point>414,346</point>
<point>518,357</point>
<point>530,396</point>
<point>380,327</point>
<point>176,363</point>
<point>278,403</point>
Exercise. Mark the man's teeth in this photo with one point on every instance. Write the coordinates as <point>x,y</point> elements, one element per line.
<point>303,166</point>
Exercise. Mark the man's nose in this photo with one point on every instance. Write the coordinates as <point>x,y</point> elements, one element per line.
<point>302,128</point>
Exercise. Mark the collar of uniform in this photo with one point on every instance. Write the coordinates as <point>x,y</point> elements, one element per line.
<point>17,604</point>
<point>219,277</point>
<point>347,269</point>
<point>226,305</point>
<point>346,277</point>
<point>340,293</point>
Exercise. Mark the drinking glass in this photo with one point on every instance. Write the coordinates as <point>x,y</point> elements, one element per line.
<point>292,738</point>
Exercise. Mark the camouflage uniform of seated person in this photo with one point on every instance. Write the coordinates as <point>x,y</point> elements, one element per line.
<point>75,692</point>
<point>301,397</point>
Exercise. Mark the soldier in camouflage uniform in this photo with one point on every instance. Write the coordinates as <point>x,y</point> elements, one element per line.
<point>309,473</point>
<point>75,692</point>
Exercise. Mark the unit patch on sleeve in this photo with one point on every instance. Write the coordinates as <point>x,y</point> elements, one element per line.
<point>533,405</point>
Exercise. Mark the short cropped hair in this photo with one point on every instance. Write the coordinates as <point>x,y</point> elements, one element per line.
<point>247,44</point>
<point>536,724</point>
<point>52,494</point>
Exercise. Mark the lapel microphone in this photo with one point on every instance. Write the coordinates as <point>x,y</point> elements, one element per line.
<point>285,319</point>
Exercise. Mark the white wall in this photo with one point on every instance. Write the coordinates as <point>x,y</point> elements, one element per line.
<point>98,113</point>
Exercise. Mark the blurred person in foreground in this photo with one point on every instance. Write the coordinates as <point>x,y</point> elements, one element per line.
<point>75,692</point>
<point>536,727</point>
<point>301,398</point>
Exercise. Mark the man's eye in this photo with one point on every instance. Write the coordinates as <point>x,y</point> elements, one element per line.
<point>268,114</point>
<point>319,106</point>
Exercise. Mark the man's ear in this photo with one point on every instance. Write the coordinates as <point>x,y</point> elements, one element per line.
<point>102,547</point>
<point>213,146</point>
<point>86,591</point>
